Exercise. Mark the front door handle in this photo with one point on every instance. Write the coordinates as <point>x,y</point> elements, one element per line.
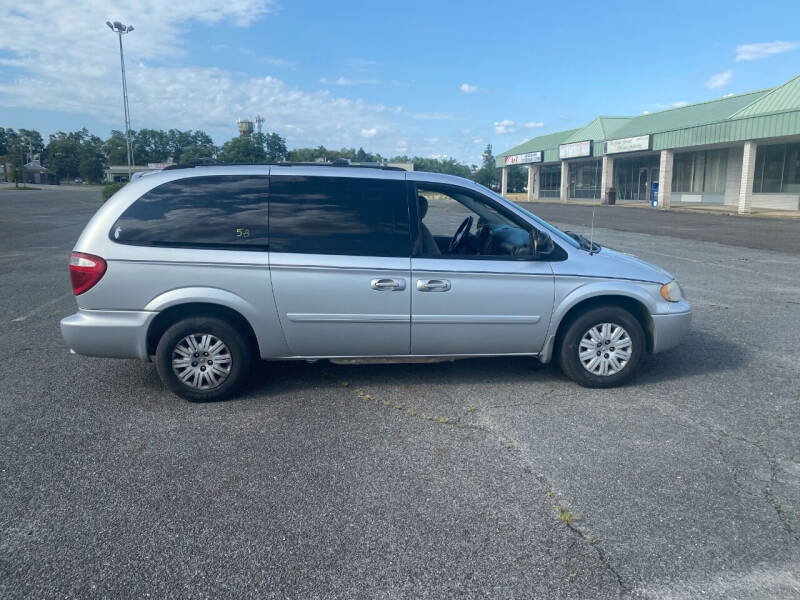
<point>391,285</point>
<point>433,285</point>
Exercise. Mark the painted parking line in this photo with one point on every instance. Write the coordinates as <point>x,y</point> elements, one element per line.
<point>41,307</point>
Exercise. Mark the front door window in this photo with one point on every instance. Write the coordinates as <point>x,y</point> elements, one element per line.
<point>455,223</point>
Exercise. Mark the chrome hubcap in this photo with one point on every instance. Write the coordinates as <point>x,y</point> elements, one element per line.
<point>605,349</point>
<point>201,361</point>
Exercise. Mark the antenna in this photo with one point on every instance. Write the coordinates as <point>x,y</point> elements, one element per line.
<point>591,235</point>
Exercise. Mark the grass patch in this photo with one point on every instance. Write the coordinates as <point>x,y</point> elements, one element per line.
<point>565,516</point>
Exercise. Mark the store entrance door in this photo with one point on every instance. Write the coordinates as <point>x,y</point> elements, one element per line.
<point>643,187</point>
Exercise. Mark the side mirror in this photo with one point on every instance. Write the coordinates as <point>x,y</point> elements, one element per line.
<point>541,243</point>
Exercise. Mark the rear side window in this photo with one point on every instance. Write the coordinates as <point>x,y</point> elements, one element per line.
<point>338,215</point>
<point>224,212</point>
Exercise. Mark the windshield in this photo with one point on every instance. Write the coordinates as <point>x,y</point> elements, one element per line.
<point>553,230</point>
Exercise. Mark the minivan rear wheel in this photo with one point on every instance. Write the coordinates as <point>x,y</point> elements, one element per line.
<point>203,359</point>
<point>602,347</point>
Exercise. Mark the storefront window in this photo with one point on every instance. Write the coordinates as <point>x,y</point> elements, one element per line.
<point>682,168</point>
<point>777,169</point>
<point>634,176</point>
<point>550,181</point>
<point>584,179</point>
<point>700,172</point>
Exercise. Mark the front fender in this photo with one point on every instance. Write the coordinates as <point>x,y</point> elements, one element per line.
<point>571,291</point>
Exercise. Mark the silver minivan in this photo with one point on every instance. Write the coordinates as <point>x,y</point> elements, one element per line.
<point>205,269</point>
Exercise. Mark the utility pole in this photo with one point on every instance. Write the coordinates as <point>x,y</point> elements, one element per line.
<point>119,29</point>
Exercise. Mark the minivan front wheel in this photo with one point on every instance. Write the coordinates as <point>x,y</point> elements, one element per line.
<point>602,347</point>
<point>203,358</point>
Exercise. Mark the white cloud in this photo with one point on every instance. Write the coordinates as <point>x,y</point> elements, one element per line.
<point>503,127</point>
<point>347,81</point>
<point>77,71</point>
<point>362,64</point>
<point>477,140</point>
<point>468,88</point>
<point>728,95</point>
<point>279,62</point>
<point>763,50</point>
<point>433,116</point>
<point>719,80</point>
<point>533,125</point>
<point>645,112</point>
<point>677,104</point>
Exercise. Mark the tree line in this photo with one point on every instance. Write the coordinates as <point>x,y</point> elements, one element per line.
<point>69,155</point>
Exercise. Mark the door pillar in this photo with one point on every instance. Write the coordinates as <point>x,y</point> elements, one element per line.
<point>564,181</point>
<point>533,182</point>
<point>748,173</point>
<point>665,179</point>
<point>606,177</point>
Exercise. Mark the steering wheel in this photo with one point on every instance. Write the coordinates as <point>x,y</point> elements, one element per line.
<point>460,236</point>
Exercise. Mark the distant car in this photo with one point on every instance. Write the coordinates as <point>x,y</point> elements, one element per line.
<point>202,269</point>
<point>77,180</point>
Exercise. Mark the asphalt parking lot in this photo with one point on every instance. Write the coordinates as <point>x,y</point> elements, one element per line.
<point>494,478</point>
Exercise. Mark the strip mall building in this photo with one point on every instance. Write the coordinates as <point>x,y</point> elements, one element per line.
<point>742,151</point>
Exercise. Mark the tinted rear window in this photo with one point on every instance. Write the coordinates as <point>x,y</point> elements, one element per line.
<point>226,211</point>
<point>338,215</point>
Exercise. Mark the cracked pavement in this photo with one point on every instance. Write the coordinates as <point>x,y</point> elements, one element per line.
<point>405,481</point>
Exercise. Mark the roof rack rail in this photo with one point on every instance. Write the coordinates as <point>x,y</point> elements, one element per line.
<point>338,162</point>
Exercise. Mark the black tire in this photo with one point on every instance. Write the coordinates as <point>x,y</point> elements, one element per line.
<point>569,348</point>
<point>239,351</point>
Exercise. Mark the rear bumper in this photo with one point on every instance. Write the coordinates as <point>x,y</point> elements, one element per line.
<point>108,333</point>
<point>669,330</point>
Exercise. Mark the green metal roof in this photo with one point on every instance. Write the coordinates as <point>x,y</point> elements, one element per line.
<point>763,114</point>
<point>548,144</point>
<point>691,115</point>
<point>598,130</point>
<point>779,99</point>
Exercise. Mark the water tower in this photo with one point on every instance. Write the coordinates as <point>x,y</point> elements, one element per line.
<point>245,126</point>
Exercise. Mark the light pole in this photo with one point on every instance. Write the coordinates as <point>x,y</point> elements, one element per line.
<point>119,29</point>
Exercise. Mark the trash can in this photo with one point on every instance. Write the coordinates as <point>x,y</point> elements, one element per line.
<point>654,195</point>
<point>611,196</point>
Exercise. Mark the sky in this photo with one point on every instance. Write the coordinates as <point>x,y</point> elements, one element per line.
<point>426,78</point>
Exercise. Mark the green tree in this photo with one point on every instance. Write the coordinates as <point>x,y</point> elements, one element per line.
<point>274,146</point>
<point>487,173</point>
<point>150,146</point>
<point>449,166</point>
<point>76,154</point>
<point>242,149</point>
<point>11,148</point>
<point>91,161</point>
<point>115,148</point>
<point>198,144</point>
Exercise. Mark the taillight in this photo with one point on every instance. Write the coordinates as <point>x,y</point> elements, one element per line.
<point>85,270</point>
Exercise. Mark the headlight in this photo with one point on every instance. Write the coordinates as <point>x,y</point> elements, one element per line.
<point>672,291</point>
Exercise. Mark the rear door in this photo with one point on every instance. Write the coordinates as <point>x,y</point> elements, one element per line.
<point>340,260</point>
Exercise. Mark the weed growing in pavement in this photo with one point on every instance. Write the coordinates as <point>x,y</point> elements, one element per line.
<point>565,516</point>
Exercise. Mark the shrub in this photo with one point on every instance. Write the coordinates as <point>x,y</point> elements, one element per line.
<point>110,189</point>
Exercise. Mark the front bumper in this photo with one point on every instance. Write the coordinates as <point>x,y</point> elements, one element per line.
<point>669,330</point>
<point>108,333</point>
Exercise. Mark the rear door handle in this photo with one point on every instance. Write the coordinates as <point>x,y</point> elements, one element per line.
<point>390,285</point>
<point>433,285</point>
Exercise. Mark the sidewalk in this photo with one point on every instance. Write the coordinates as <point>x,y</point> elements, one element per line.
<point>719,209</point>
